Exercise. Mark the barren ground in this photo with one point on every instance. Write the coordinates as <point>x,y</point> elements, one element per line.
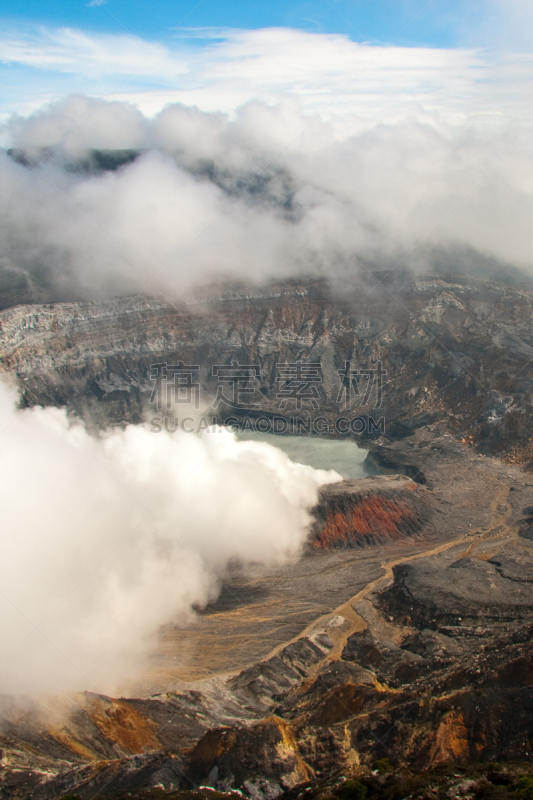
<point>260,610</point>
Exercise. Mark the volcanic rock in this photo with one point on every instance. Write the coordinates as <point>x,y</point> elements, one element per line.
<point>450,348</point>
<point>262,760</point>
<point>464,593</point>
<point>370,511</point>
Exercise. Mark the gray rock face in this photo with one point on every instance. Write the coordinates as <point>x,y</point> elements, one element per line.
<point>515,564</point>
<point>466,592</point>
<point>386,660</point>
<point>447,346</point>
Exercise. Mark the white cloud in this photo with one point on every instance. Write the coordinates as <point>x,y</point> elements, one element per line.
<point>81,122</point>
<point>504,25</point>
<point>383,147</point>
<point>75,51</point>
<point>220,70</point>
<point>353,187</point>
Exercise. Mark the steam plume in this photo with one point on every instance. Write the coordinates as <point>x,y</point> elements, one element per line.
<point>105,540</point>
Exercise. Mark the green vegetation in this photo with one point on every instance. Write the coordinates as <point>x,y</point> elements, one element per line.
<point>352,790</point>
<point>525,787</point>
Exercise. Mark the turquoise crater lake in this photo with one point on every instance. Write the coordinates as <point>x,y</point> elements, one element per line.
<point>344,456</point>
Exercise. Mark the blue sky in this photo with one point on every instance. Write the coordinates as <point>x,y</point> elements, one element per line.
<point>440,23</point>
<point>342,55</point>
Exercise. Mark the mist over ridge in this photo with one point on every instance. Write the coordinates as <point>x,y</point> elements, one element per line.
<point>104,200</point>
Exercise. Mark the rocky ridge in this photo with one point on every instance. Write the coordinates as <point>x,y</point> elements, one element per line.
<point>449,348</point>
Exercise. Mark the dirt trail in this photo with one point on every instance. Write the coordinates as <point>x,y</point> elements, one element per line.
<point>500,512</point>
<point>222,647</point>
